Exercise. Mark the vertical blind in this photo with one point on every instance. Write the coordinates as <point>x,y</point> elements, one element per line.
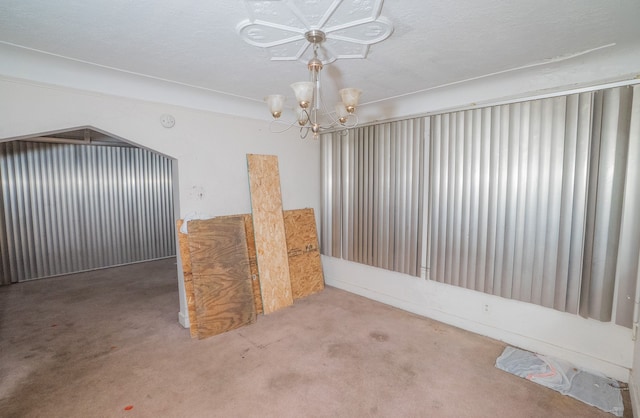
<point>497,197</point>
<point>535,201</point>
<point>66,208</point>
<point>373,183</point>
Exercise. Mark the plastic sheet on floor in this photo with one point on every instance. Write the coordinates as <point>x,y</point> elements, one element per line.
<point>599,391</point>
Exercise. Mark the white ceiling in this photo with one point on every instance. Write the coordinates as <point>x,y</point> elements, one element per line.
<point>434,43</point>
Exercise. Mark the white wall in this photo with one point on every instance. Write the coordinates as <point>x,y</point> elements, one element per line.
<point>210,148</point>
<point>589,344</point>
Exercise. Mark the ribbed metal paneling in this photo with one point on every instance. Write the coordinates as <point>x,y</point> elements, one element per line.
<point>536,201</point>
<point>499,200</point>
<point>373,195</point>
<point>69,208</point>
<point>610,146</point>
<point>629,247</point>
<point>526,199</point>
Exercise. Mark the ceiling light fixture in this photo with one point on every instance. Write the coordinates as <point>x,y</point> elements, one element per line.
<point>311,113</point>
<point>317,32</point>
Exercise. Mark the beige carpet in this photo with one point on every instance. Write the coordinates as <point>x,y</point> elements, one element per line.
<point>95,344</point>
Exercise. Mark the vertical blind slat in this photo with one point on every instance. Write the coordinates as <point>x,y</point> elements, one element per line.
<point>629,247</point>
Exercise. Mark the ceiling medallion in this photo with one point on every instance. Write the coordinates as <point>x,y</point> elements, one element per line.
<point>350,26</point>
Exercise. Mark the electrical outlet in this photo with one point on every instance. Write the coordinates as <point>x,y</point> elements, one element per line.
<point>485,307</point>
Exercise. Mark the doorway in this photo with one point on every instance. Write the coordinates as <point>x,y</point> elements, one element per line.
<point>80,200</point>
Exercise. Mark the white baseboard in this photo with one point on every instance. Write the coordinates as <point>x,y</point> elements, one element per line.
<point>183,319</point>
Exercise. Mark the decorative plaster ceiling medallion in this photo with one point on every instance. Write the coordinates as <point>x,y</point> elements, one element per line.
<point>280,26</point>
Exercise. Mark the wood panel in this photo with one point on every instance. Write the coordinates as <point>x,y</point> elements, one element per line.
<point>221,275</point>
<point>253,263</point>
<point>185,256</point>
<point>268,227</point>
<point>305,265</point>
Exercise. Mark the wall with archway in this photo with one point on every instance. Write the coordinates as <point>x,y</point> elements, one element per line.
<point>209,148</point>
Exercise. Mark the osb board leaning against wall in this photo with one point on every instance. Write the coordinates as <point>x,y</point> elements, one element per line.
<point>305,265</point>
<point>268,227</point>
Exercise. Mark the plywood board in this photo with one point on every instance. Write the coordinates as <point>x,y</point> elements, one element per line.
<point>253,263</point>
<point>185,256</point>
<point>268,227</point>
<point>221,276</point>
<point>305,265</point>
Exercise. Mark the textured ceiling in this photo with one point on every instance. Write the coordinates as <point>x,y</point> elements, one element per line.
<point>433,43</point>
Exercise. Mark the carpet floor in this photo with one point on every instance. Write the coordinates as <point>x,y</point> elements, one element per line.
<point>107,344</point>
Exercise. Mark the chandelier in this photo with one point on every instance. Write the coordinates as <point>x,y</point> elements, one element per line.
<point>311,113</point>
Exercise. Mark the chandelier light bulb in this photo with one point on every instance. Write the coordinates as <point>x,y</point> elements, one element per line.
<point>304,92</point>
<point>350,97</point>
<point>275,103</point>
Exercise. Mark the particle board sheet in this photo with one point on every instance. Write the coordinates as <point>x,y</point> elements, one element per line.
<point>305,265</point>
<point>268,227</point>
<point>221,275</point>
<point>185,256</point>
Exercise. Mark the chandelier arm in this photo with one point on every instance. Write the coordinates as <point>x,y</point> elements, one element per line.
<point>306,132</point>
<point>277,121</point>
<point>334,121</point>
<point>351,125</point>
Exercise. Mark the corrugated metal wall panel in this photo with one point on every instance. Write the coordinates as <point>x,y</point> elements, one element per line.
<point>373,187</point>
<point>69,208</point>
<point>629,246</point>
<point>535,201</point>
<point>609,146</point>
<point>539,219</point>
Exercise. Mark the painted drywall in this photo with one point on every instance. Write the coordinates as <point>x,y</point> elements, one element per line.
<point>209,148</point>
<point>25,64</point>
<point>592,345</point>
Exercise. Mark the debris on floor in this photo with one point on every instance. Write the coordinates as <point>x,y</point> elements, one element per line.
<point>599,391</point>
